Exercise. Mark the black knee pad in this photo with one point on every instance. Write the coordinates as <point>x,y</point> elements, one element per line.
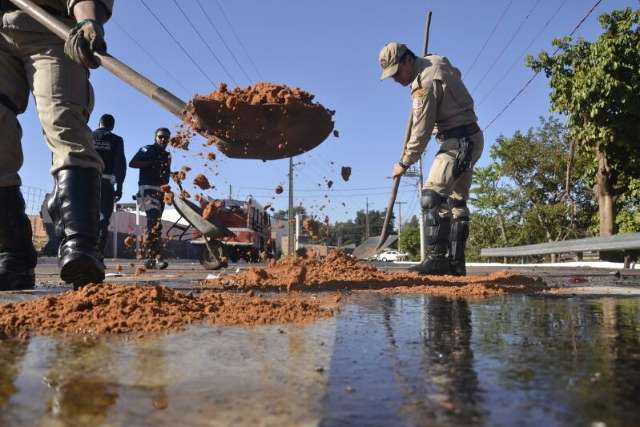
<point>431,200</point>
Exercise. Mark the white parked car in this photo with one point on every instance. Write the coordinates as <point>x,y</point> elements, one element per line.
<point>390,255</point>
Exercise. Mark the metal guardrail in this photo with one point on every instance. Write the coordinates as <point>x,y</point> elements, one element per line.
<point>618,242</point>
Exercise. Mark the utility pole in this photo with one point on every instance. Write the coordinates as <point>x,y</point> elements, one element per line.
<point>367,233</point>
<point>416,172</point>
<point>400,220</point>
<point>290,239</point>
<point>230,192</point>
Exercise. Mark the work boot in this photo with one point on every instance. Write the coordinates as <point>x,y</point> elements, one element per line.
<point>75,211</point>
<point>17,254</point>
<point>457,242</point>
<point>435,262</point>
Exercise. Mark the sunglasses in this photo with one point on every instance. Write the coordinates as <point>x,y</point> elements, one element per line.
<point>163,136</point>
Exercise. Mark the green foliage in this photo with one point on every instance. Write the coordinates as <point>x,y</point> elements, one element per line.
<point>353,231</point>
<point>410,239</point>
<point>596,85</point>
<point>524,197</point>
<point>628,218</point>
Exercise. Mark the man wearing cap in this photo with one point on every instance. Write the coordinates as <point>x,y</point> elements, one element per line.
<point>439,99</point>
<point>55,71</point>
<point>111,149</point>
<point>154,162</point>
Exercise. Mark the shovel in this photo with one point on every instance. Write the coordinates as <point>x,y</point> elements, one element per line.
<point>274,131</point>
<point>396,181</point>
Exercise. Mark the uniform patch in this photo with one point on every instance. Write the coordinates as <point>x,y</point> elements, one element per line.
<point>418,103</point>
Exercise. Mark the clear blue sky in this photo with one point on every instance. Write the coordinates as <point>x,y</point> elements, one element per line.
<point>329,48</point>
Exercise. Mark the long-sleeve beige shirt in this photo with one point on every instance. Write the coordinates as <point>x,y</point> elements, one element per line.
<point>439,98</point>
<point>18,20</point>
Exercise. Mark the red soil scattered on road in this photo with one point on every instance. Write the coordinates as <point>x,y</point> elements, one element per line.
<point>140,310</point>
<point>341,272</point>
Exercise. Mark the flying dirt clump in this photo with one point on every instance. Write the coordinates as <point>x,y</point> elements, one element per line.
<point>345,171</point>
<point>279,189</point>
<point>202,182</point>
<point>140,310</point>
<point>263,121</point>
<point>338,271</point>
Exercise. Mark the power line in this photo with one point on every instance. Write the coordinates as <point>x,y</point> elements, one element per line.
<point>246,52</point>
<point>511,39</point>
<point>150,56</point>
<point>205,42</point>
<point>184,50</point>
<point>319,190</point>
<point>528,82</point>
<point>504,12</point>
<point>517,59</point>
<point>224,42</point>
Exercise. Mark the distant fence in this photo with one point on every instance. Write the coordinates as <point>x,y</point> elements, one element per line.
<point>625,243</point>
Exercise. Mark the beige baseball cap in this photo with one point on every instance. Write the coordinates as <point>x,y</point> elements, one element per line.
<point>390,58</point>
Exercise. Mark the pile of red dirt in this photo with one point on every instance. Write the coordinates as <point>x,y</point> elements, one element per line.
<point>341,272</point>
<point>138,310</point>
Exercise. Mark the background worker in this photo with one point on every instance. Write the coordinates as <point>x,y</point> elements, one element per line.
<point>154,162</point>
<point>34,59</point>
<point>110,147</point>
<point>440,99</point>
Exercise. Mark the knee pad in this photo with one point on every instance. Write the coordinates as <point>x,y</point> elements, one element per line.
<point>431,200</point>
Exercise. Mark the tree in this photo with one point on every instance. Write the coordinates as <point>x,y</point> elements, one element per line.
<point>410,239</point>
<point>596,84</point>
<point>353,231</point>
<point>532,192</point>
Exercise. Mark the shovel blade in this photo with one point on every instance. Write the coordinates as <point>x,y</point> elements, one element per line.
<point>263,131</point>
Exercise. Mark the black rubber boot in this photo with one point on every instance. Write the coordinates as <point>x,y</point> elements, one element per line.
<point>436,236</point>
<point>457,242</point>
<point>75,211</point>
<point>17,255</point>
<point>435,262</point>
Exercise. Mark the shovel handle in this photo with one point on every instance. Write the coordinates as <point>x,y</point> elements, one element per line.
<point>121,70</point>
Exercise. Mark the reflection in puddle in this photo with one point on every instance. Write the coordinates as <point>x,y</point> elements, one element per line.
<point>386,360</point>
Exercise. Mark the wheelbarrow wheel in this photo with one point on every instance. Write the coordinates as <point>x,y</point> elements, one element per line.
<point>214,261</point>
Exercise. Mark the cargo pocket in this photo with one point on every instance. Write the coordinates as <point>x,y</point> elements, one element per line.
<point>441,176</point>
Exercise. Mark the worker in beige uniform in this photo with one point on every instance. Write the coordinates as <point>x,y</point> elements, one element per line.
<point>440,99</point>
<point>55,71</point>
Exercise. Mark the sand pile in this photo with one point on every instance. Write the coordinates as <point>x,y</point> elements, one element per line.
<point>118,309</point>
<point>341,272</point>
<point>262,121</point>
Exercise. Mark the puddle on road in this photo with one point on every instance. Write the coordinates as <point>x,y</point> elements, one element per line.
<point>386,359</point>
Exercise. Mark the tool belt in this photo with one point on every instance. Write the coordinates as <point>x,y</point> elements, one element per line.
<point>7,6</point>
<point>458,132</point>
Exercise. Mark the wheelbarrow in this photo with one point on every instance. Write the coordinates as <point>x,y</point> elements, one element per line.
<point>212,256</point>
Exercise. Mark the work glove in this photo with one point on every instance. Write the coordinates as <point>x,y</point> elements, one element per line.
<point>117,195</point>
<point>84,39</point>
